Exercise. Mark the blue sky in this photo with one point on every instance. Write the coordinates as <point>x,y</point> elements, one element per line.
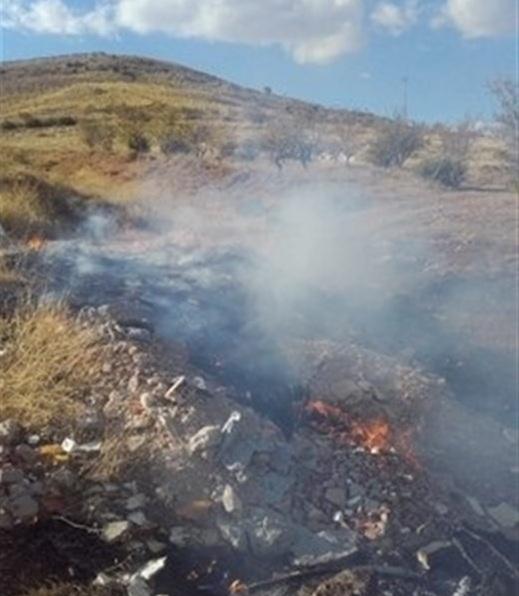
<point>344,53</point>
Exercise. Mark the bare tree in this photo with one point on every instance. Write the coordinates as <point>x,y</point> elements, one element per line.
<point>290,139</point>
<point>396,142</point>
<point>506,93</point>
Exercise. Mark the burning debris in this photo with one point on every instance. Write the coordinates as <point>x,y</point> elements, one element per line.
<point>217,457</point>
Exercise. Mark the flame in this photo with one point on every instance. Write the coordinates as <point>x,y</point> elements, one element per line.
<point>36,242</point>
<point>375,435</point>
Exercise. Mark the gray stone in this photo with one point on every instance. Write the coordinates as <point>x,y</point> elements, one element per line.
<point>505,515</point>
<point>138,518</point>
<point>10,432</point>
<point>311,549</point>
<point>138,334</point>
<point>115,530</point>
<point>269,534</point>
<point>6,521</point>
<point>26,453</point>
<point>336,496</point>
<point>23,507</point>
<point>137,586</point>
<point>136,502</point>
<point>11,475</point>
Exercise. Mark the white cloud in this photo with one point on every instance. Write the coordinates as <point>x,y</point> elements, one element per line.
<point>55,17</point>
<point>394,18</point>
<point>479,18</point>
<point>312,31</point>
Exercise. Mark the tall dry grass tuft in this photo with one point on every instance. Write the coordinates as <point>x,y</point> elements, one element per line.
<point>22,210</point>
<point>47,364</point>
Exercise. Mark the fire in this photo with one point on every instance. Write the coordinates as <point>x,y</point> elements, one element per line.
<point>36,242</point>
<point>375,435</point>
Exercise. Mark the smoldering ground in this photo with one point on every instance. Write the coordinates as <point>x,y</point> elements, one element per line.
<point>235,277</point>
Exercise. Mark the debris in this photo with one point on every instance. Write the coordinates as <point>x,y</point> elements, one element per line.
<point>423,555</point>
<point>135,502</point>
<point>138,518</point>
<point>10,475</point>
<point>204,439</point>
<point>69,445</point>
<point>505,515</point>
<point>228,427</point>
<point>336,496</point>
<point>115,530</point>
<point>178,382</point>
<point>152,568</point>
<point>464,587</point>
<point>199,383</point>
<point>230,500</point>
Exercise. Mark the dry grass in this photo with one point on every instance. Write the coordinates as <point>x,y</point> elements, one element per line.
<point>23,212</point>
<point>48,365</point>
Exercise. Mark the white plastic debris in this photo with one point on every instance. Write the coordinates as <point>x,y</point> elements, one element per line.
<point>228,427</point>
<point>69,445</point>
<point>177,383</point>
<point>230,499</point>
<point>152,568</point>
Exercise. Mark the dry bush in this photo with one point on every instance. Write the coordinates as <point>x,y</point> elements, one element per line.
<point>97,135</point>
<point>29,207</point>
<point>47,367</point>
<point>290,139</point>
<point>396,142</point>
<point>447,171</point>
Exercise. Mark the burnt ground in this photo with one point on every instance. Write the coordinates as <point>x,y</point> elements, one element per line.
<point>379,296</point>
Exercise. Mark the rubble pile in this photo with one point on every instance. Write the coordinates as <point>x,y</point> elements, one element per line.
<point>187,490</point>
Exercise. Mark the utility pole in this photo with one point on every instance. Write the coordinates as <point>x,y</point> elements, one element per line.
<point>405,81</point>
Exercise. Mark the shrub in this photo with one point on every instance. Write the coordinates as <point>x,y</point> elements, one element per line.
<point>397,141</point>
<point>49,363</point>
<point>290,140</point>
<point>506,94</point>
<point>97,135</point>
<point>138,143</point>
<point>447,171</point>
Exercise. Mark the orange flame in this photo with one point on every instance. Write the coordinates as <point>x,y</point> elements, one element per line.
<point>373,435</point>
<point>36,242</point>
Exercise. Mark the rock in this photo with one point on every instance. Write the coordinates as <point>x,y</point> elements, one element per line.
<point>133,383</point>
<point>137,586</point>
<point>151,568</point>
<point>115,530</point>
<point>505,515</point>
<point>179,536</point>
<point>10,432</point>
<point>311,549</point>
<point>6,521</point>
<point>135,502</point>
<point>155,546</point>
<point>230,500</point>
<point>199,383</point>
<point>336,496</point>
<point>10,475</point>
<point>147,401</point>
<point>33,440</point>
<point>204,439</point>
<point>26,454</point>
<point>23,507</point>
<point>138,518</point>
<point>269,534</point>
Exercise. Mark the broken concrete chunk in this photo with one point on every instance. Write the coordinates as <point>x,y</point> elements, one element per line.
<point>115,530</point>
<point>204,439</point>
<point>152,568</point>
<point>336,496</point>
<point>505,515</point>
<point>135,502</point>
<point>69,445</point>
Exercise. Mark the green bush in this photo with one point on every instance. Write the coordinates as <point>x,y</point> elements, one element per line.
<point>447,171</point>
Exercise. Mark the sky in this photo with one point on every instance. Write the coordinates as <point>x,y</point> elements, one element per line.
<point>343,53</point>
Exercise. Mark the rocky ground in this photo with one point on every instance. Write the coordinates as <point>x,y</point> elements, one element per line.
<point>179,477</point>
